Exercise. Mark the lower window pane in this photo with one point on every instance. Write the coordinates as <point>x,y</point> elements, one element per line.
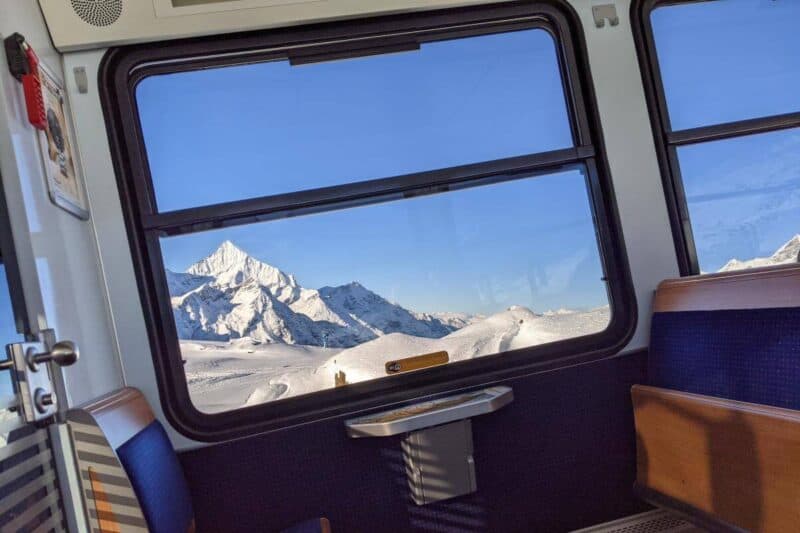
<point>744,200</point>
<point>288,307</point>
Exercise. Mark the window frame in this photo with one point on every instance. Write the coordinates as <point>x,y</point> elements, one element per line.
<point>123,67</point>
<point>668,140</point>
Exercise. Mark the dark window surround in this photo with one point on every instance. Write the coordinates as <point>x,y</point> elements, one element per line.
<point>667,141</point>
<point>123,67</point>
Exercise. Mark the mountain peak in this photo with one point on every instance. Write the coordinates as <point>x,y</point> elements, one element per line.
<point>226,257</point>
<point>789,252</point>
<point>230,253</point>
<point>232,266</point>
<point>228,245</point>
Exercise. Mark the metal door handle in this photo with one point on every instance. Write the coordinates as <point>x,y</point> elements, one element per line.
<point>63,353</point>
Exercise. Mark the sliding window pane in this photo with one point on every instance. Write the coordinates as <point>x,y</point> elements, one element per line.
<point>297,305</point>
<point>728,60</point>
<point>744,199</point>
<point>225,134</point>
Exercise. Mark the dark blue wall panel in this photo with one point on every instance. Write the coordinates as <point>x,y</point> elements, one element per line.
<point>561,456</point>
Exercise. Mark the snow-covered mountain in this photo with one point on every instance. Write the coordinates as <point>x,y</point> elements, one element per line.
<point>230,295</point>
<point>788,253</point>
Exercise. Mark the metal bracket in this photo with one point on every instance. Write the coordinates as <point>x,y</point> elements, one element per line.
<point>34,377</point>
<point>605,12</point>
<point>437,440</point>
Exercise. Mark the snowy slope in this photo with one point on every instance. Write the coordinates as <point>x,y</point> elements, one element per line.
<point>230,295</point>
<point>788,253</point>
<point>180,283</point>
<point>226,375</point>
<point>512,329</point>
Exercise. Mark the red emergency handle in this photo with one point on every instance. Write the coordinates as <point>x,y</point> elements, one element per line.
<point>32,87</point>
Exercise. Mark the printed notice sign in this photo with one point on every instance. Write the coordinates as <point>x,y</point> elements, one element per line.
<point>58,150</point>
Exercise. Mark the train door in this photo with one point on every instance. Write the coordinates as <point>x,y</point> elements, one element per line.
<point>31,399</point>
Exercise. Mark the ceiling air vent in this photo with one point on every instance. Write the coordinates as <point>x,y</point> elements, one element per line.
<point>98,12</point>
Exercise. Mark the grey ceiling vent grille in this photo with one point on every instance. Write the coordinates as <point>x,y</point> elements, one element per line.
<point>98,12</point>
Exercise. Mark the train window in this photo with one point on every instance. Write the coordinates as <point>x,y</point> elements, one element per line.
<point>311,219</point>
<point>722,76</point>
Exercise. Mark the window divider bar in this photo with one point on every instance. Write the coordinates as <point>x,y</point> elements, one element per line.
<point>734,129</point>
<point>256,209</point>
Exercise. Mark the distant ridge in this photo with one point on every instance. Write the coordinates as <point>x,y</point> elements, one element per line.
<point>230,295</point>
<point>786,254</point>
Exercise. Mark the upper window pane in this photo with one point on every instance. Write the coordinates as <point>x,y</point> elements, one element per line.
<point>744,200</point>
<point>724,61</point>
<point>231,133</point>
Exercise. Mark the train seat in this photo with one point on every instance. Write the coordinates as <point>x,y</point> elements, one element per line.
<point>732,335</point>
<point>131,477</point>
<point>718,429</point>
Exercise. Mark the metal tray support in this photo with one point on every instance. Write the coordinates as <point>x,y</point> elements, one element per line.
<point>437,440</point>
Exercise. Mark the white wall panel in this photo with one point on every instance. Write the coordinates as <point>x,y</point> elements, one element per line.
<point>62,248</point>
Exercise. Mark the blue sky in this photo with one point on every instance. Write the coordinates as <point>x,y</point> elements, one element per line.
<point>728,60</point>
<point>238,132</point>
<point>725,61</point>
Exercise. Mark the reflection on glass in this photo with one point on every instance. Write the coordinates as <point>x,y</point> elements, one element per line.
<point>744,199</point>
<point>8,331</point>
<point>301,304</point>
<point>727,61</point>
<point>225,134</point>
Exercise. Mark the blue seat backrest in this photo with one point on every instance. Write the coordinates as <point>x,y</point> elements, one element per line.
<point>158,481</point>
<point>734,335</point>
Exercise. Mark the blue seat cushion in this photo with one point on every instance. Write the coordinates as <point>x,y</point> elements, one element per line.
<point>750,355</point>
<point>158,481</point>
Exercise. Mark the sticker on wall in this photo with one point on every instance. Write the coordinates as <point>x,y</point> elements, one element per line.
<point>58,150</point>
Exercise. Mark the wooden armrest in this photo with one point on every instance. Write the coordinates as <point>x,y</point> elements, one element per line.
<point>734,461</point>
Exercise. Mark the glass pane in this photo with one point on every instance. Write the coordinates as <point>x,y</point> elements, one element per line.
<point>727,61</point>
<point>744,199</point>
<point>225,134</point>
<point>8,331</point>
<point>297,305</point>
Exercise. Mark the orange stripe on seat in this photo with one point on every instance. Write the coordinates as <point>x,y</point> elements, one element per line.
<point>105,515</point>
